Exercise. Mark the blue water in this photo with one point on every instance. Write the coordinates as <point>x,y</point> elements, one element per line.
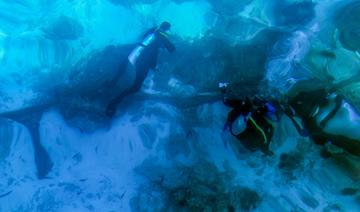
<point>61,64</point>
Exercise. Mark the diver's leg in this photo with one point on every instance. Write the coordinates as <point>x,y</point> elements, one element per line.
<point>140,77</point>
<point>122,68</point>
<point>111,108</point>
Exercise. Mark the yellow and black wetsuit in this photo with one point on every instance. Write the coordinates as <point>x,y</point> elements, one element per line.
<point>259,130</point>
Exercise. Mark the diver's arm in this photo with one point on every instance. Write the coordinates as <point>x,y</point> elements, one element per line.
<point>168,45</point>
<point>231,117</point>
<point>338,101</point>
<point>232,102</point>
<point>301,130</point>
<point>228,123</point>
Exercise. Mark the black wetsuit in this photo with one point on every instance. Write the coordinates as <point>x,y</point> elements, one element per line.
<point>259,131</point>
<point>145,61</point>
<point>305,104</point>
<point>148,59</point>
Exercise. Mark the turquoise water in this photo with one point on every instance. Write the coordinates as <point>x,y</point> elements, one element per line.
<point>165,149</point>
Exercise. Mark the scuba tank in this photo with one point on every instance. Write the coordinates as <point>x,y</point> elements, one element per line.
<point>134,55</point>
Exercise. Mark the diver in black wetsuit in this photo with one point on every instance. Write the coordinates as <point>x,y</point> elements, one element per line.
<point>308,106</point>
<point>144,57</point>
<point>259,131</point>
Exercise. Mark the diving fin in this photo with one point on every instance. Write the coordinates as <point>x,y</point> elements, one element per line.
<point>30,118</point>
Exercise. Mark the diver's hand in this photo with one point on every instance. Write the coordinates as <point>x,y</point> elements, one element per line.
<point>226,126</point>
<point>247,117</point>
<point>225,136</point>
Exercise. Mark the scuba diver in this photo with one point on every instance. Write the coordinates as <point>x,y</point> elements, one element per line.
<point>143,58</point>
<point>327,119</point>
<point>255,113</point>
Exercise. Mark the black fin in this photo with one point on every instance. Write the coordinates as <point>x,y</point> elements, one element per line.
<point>42,158</point>
<point>30,118</point>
